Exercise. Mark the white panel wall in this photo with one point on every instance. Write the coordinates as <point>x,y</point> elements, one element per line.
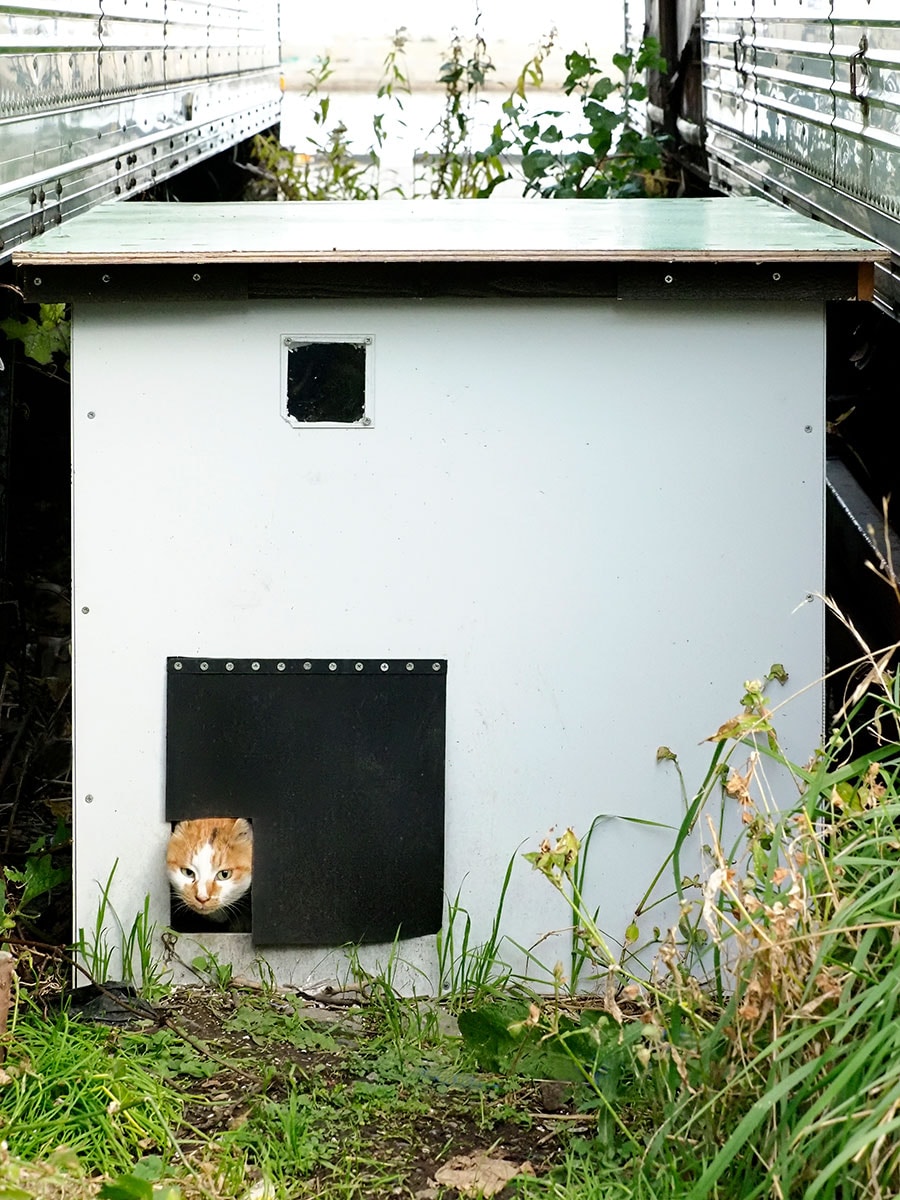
<point>606,516</point>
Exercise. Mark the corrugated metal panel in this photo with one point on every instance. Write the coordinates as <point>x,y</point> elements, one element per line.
<point>131,46</point>
<point>790,59</point>
<point>867,107</point>
<point>728,81</point>
<point>45,61</point>
<point>808,111</point>
<point>224,39</point>
<point>99,100</point>
<point>187,40</point>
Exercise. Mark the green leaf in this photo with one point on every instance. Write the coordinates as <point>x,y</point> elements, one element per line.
<point>40,876</point>
<point>601,143</point>
<point>504,1037</point>
<point>740,727</point>
<point>126,1187</point>
<point>536,164</point>
<point>152,1168</point>
<point>602,89</point>
<point>649,57</point>
<point>578,65</point>
<point>40,340</point>
<point>601,117</point>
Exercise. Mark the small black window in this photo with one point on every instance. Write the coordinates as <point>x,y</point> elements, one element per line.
<point>326,382</point>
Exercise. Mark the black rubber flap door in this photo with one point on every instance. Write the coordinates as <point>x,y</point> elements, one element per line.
<point>340,767</point>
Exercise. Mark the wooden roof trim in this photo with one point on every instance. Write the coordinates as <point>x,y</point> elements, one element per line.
<point>38,258</point>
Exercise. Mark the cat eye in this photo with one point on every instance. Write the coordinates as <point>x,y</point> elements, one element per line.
<point>188,872</point>
<point>223,874</point>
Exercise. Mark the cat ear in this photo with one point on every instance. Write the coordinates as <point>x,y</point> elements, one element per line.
<point>243,831</point>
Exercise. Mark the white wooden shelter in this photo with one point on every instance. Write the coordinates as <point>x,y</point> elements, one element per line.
<point>582,475</point>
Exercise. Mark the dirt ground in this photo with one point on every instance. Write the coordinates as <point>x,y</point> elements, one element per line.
<point>466,1118</point>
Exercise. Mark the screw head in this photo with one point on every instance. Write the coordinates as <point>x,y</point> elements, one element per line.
<point>229,666</point>
<point>37,281</point>
<point>89,799</point>
<point>91,416</point>
<point>85,609</point>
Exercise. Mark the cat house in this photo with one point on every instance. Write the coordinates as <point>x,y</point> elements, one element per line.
<point>411,531</point>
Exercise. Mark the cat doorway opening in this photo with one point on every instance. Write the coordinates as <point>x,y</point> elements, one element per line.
<point>339,764</point>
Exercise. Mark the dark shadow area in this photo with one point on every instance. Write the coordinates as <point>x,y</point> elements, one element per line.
<point>35,632</point>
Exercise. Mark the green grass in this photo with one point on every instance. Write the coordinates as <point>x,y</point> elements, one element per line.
<point>777,1073</point>
<point>83,1088</point>
<point>762,1059</point>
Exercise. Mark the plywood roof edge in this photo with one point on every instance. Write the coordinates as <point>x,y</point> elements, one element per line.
<point>42,258</point>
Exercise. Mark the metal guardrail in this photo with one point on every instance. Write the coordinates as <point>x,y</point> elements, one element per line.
<point>802,103</point>
<point>796,100</point>
<point>102,98</point>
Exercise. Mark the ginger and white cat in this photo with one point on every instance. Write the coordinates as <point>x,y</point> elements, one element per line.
<point>210,864</point>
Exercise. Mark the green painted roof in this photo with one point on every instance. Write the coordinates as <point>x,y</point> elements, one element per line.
<point>726,229</point>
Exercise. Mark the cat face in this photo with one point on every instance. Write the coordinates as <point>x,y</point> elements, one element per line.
<point>210,863</point>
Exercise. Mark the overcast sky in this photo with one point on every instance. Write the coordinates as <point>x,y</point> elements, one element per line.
<point>525,21</point>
